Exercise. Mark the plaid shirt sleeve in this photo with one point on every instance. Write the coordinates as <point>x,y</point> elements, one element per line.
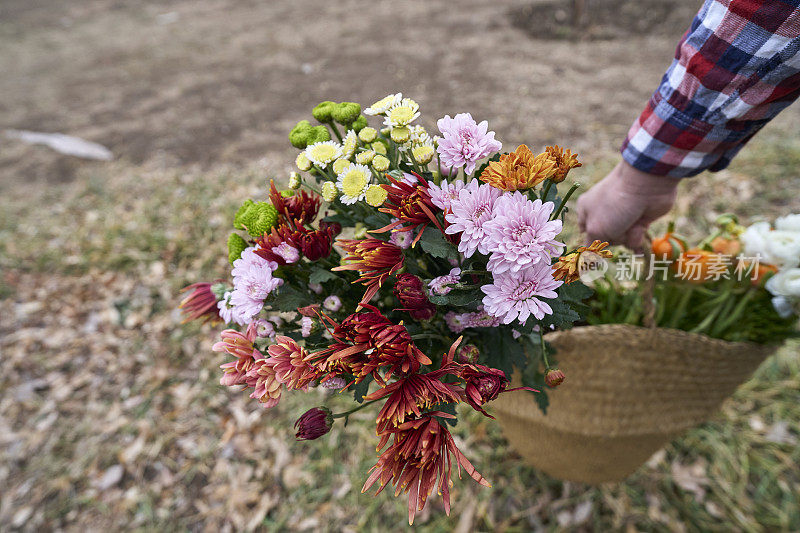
<point>734,70</point>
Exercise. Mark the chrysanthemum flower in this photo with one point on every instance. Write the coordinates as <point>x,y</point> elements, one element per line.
<point>567,268</point>
<point>289,253</point>
<point>402,239</point>
<point>402,114</point>
<point>380,163</point>
<point>410,205</point>
<point>365,157</point>
<point>314,423</point>
<point>306,326</point>
<point>225,308</point>
<point>565,161</point>
<point>323,153</point>
<point>329,191</point>
<point>240,346</point>
<point>423,154</point>
<point>252,282</point>
<point>465,142</point>
<point>443,284</point>
<point>412,395</point>
<point>482,384</point>
<point>264,381</point>
<point>521,233</point>
<point>298,209</point>
<point>353,182</point>
<point>264,328</point>
<point>340,165</point>
<point>200,303</point>
<point>349,144</point>
<point>302,162</point>
<point>480,319</point>
<point>455,321</point>
<point>376,195</point>
<point>374,259</point>
<point>382,106</point>
<point>516,296</point>
<point>332,303</point>
<point>368,134</point>
<point>469,213</point>
<point>519,170</point>
<point>442,195</point>
<point>292,363</point>
<point>409,289</point>
<point>421,453</point>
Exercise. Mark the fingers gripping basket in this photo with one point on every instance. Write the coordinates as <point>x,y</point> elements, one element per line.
<point>629,390</point>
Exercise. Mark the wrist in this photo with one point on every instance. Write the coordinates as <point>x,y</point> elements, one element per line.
<point>634,181</point>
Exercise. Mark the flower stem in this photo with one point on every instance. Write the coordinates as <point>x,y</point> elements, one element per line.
<point>557,212</point>
<point>546,189</point>
<point>351,411</point>
<point>335,130</point>
<point>478,272</point>
<point>544,350</point>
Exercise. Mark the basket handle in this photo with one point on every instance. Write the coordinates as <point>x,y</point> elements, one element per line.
<point>649,318</point>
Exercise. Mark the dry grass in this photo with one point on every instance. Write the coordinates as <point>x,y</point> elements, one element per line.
<point>111,416</point>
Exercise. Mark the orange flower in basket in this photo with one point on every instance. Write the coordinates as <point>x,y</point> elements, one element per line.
<point>699,266</point>
<point>668,247</point>
<point>724,246</point>
<point>519,170</point>
<point>565,161</point>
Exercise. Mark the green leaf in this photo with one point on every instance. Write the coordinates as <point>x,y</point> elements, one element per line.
<point>504,351</point>
<point>360,390</point>
<point>534,379</point>
<point>435,244</point>
<point>457,298</point>
<point>321,275</point>
<point>449,408</point>
<point>378,220</point>
<point>287,299</point>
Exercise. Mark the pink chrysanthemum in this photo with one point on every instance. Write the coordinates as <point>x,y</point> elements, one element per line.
<point>240,346</point>
<point>443,195</point>
<point>521,234</point>
<point>291,363</point>
<point>455,321</point>
<point>471,211</point>
<point>252,283</point>
<point>225,308</point>
<point>287,252</point>
<point>480,319</point>
<point>465,142</point>
<point>443,284</point>
<point>402,239</point>
<point>516,295</point>
<point>306,325</point>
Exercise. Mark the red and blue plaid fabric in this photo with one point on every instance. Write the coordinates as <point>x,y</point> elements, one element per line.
<point>736,67</point>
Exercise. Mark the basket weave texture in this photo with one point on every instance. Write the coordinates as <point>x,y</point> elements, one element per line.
<point>629,390</point>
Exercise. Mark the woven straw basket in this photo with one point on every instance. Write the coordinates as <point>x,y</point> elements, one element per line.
<point>629,390</point>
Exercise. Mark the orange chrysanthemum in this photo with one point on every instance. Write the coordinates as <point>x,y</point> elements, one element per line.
<point>519,170</point>
<point>565,161</point>
<point>568,267</point>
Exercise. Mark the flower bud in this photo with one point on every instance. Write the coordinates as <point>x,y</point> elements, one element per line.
<point>554,377</point>
<point>378,147</point>
<point>409,289</point>
<point>467,353</point>
<point>322,111</point>
<point>329,191</point>
<point>365,158</point>
<point>376,195</point>
<point>302,162</point>
<point>339,165</point>
<point>346,112</point>
<point>401,134</point>
<point>423,154</point>
<point>294,180</point>
<point>360,230</point>
<point>314,423</point>
<point>368,134</point>
<point>380,163</point>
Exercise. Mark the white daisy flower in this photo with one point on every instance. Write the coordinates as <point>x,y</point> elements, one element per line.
<point>381,106</point>
<point>349,144</point>
<point>402,114</point>
<point>353,183</point>
<point>323,153</point>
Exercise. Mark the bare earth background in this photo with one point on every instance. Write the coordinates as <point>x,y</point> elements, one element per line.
<point>110,412</point>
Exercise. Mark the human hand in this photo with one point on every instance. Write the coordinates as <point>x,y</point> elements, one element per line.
<point>622,205</point>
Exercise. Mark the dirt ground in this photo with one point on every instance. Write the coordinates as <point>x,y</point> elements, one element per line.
<point>110,416</point>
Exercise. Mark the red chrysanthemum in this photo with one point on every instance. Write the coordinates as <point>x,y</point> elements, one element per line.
<point>313,244</point>
<point>292,363</point>
<point>484,384</point>
<point>240,346</point>
<point>367,342</point>
<point>420,454</point>
<point>411,205</point>
<point>200,303</point>
<point>299,209</point>
<point>409,289</point>
<point>374,259</point>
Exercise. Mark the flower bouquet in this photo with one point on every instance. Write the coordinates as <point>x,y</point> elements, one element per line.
<point>670,335</point>
<point>416,272</point>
